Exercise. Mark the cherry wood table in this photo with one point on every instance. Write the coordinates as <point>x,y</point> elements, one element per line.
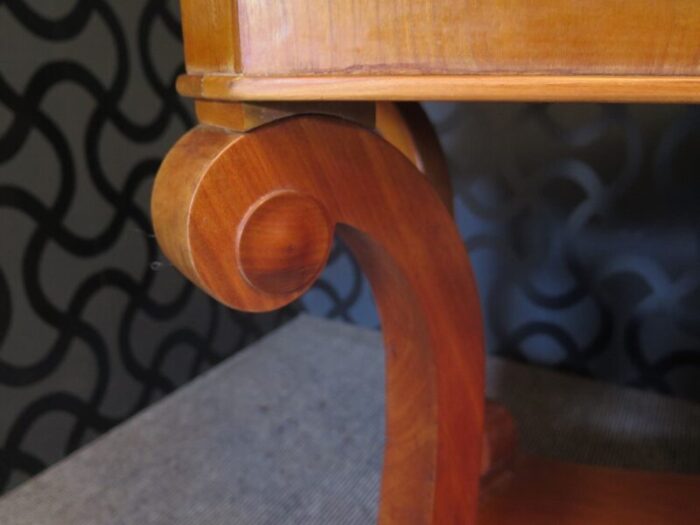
<point>300,138</point>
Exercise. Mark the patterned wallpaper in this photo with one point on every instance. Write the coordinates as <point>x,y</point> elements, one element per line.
<point>581,220</point>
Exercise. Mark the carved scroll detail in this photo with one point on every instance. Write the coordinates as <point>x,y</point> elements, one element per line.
<point>249,217</point>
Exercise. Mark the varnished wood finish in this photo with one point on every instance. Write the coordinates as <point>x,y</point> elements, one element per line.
<point>549,50</point>
<point>520,88</point>
<point>246,116</point>
<point>404,125</point>
<point>283,242</point>
<point>407,128</point>
<point>543,492</point>
<point>311,37</point>
<point>210,31</point>
<point>407,244</point>
<point>397,37</point>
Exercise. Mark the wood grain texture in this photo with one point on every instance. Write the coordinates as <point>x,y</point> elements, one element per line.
<point>246,116</point>
<point>549,50</point>
<point>295,234</point>
<point>407,244</point>
<point>544,492</point>
<point>523,88</point>
<point>398,37</point>
<point>404,125</point>
<point>210,33</point>
<point>407,128</point>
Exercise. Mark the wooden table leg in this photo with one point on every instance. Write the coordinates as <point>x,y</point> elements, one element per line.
<point>249,217</point>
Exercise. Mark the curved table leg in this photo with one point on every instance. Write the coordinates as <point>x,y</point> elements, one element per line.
<point>250,218</point>
<point>406,126</point>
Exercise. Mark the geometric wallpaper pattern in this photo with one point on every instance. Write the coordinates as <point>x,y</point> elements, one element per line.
<point>582,221</point>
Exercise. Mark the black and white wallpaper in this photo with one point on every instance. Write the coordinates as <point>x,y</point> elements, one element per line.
<point>582,222</point>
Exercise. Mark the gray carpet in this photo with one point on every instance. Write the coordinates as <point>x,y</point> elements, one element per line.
<point>290,432</point>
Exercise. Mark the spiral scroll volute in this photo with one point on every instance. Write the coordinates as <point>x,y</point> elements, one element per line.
<point>252,243</point>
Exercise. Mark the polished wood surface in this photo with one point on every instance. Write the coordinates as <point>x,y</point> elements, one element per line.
<point>520,88</point>
<point>211,189</point>
<point>538,491</point>
<point>287,228</point>
<point>615,37</point>
<point>396,37</point>
<point>407,128</point>
<point>210,33</point>
<point>404,125</point>
<point>245,116</point>
<point>549,50</point>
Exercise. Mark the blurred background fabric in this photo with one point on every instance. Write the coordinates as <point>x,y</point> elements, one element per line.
<point>582,222</point>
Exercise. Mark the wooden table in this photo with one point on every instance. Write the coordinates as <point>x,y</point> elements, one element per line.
<point>300,139</point>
